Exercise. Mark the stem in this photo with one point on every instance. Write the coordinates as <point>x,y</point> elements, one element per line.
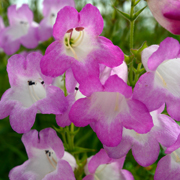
<point>65,90</point>
<point>72,135</point>
<point>131,74</point>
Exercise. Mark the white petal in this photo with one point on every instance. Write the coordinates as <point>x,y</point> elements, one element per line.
<point>167,76</point>
<point>70,159</point>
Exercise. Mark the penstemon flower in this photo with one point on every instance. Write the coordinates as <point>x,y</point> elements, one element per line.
<point>160,84</point>
<point>108,108</point>
<point>78,45</point>
<point>50,10</point>
<point>145,147</point>
<point>168,168</point>
<point>31,92</point>
<point>46,158</point>
<point>22,30</point>
<point>101,167</point>
<point>166,13</point>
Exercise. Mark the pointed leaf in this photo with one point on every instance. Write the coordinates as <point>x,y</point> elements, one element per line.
<point>136,2</point>
<point>135,16</point>
<point>125,15</point>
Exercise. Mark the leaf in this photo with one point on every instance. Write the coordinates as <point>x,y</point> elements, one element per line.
<point>125,15</point>
<point>137,52</point>
<point>135,16</point>
<point>136,2</point>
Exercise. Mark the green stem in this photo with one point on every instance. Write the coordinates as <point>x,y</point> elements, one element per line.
<point>131,74</point>
<point>65,90</point>
<point>72,135</point>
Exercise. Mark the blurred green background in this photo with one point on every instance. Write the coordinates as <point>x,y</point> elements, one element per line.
<point>116,28</point>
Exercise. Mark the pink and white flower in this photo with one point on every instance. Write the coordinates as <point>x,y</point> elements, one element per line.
<point>168,168</point>
<point>101,167</point>
<point>46,158</point>
<point>22,30</point>
<point>78,45</point>
<point>145,147</point>
<point>50,10</point>
<point>160,84</point>
<point>108,108</point>
<point>166,12</point>
<point>31,92</point>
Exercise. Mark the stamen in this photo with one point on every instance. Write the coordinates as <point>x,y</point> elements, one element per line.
<point>30,83</point>
<point>74,53</point>
<point>101,169</point>
<point>164,82</point>
<point>54,161</point>
<point>31,94</point>
<point>35,94</point>
<point>70,31</point>
<point>78,42</point>
<point>50,162</point>
<point>96,177</point>
<point>176,156</point>
<point>117,102</point>
<point>42,82</point>
<point>79,28</point>
<point>52,15</point>
<point>76,88</point>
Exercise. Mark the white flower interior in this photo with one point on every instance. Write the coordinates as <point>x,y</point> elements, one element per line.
<point>77,43</point>
<point>43,162</point>
<point>29,92</point>
<point>18,30</point>
<point>109,104</point>
<point>107,172</point>
<point>167,76</point>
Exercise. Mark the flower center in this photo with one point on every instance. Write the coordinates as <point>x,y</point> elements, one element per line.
<point>51,159</point>
<point>73,38</point>
<point>176,157</point>
<point>36,89</point>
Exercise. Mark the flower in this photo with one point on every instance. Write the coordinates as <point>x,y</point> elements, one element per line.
<point>50,10</point>
<point>45,152</point>
<point>166,12</point>
<point>168,168</point>
<point>31,92</point>
<point>101,167</point>
<point>78,45</point>
<point>108,108</point>
<point>22,30</point>
<point>160,84</point>
<point>145,147</point>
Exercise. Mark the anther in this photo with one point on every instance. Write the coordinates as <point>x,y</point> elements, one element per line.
<point>69,31</point>
<point>76,88</point>
<point>79,28</point>
<point>42,82</point>
<point>52,15</point>
<point>30,83</point>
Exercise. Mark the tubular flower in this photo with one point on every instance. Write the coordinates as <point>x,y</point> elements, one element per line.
<point>78,45</point>
<point>168,168</point>
<point>160,84</point>
<point>145,147</point>
<point>74,91</point>
<point>31,92</point>
<point>101,167</point>
<point>46,158</point>
<point>108,108</point>
<point>166,12</point>
<point>22,30</point>
<point>50,10</point>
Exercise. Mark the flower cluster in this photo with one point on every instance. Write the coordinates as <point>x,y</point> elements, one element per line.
<point>96,93</point>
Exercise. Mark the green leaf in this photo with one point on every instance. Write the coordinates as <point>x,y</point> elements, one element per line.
<point>135,16</point>
<point>136,2</point>
<point>128,59</point>
<point>137,52</point>
<point>125,15</point>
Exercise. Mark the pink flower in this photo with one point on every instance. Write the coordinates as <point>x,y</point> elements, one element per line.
<point>22,30</point>
<point>46,158</point>
<point>160,84</point>
<point>167,13</point>
<point>78,45</point>
<point>31,92</point>
<point>50,10</point>
<point>101,167</point>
